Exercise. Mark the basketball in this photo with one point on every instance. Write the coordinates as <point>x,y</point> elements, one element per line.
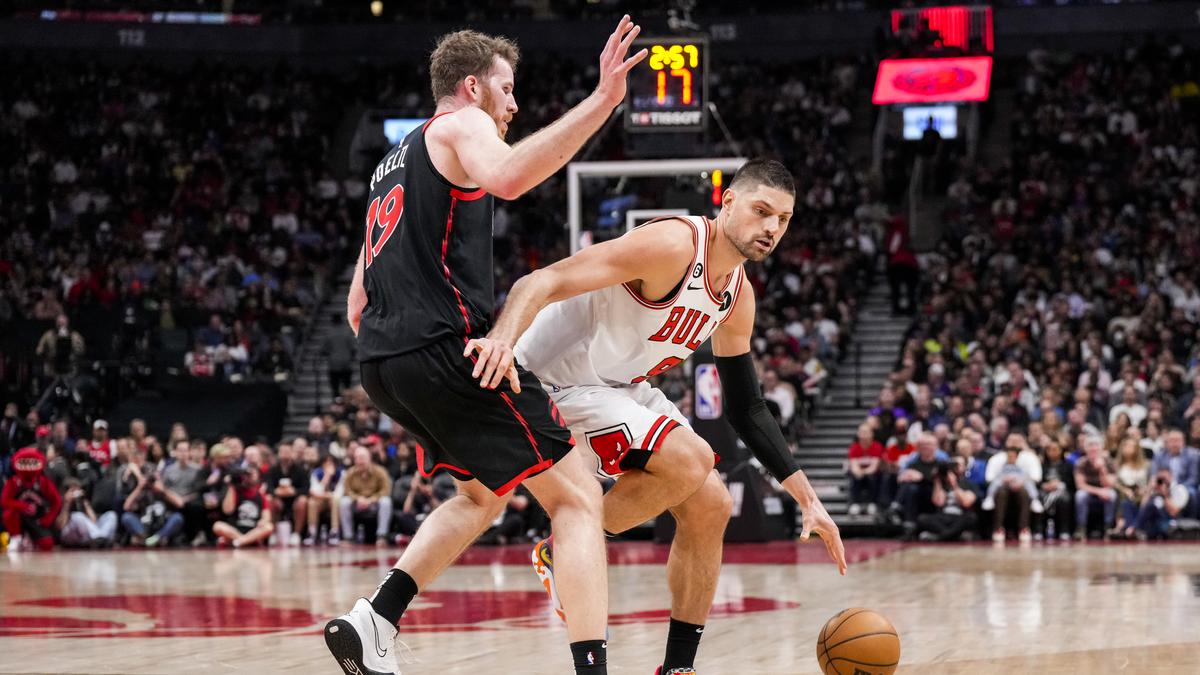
<point>858,641</point>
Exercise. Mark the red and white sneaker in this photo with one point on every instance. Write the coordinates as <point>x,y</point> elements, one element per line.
<point>543,565</point>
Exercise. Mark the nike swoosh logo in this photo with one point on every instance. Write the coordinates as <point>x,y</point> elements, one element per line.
<point>694,288</point>
<point>381,652</point>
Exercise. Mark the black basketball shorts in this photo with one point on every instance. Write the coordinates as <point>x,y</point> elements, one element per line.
<point>494,435</point>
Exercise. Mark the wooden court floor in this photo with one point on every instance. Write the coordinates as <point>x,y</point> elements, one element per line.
<point>1069,608</point>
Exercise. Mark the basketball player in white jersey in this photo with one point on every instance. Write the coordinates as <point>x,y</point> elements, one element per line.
<point>596,326</point>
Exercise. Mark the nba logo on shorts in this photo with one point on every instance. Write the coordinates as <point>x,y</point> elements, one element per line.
<point>709,402</point>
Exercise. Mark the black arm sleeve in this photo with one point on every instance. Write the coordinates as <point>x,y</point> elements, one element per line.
<point>747,413</point>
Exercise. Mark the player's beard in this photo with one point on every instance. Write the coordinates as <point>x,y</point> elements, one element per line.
<point>747,249</point>
<point>487,103</point>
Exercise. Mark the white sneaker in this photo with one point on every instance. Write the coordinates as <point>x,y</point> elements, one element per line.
<point>16,543</point>
<point>855,509</point>
<point>1025,536</point>
<point>998,537</point>
<point>989,504</point>
<point>872,509</point>
<point>295,540</point>
<point>1036,506</point>
<point>362,641</point>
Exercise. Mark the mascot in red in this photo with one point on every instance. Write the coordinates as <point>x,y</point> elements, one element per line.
<point>30,500</point>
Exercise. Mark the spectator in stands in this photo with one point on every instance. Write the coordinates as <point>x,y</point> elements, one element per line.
<point>146,516</point>
<point>1077,424</point>
<point>246,518</point>
<point>213,334</point>
<point>57,468</point>
<point>379,455</point>
<point>974,468</point>
<point>324,484</point>
<point>101,449</point>
<point>997,437</point>
<point>864,471</point>
<point>521,515</point>
<point>78,526</point>
<point>782,394</point>
<point>276,363</point>
<point>199,362</point>
<point>419,500</point>
<point>138,435</point>
<point>1188,405</point>
<point>954,498</point>
<point>1013,476</point>
<point>180,486</point>
<point>317,434</point>
<point>1094,481</point>
<point>1166,501</point>
<point>1129,406</point>
<point>1056,491</point>
<point>1133,480</point>
<point>366,496</point>
<point>221,463</point>
<point>814,374</point>
<point>342,445</point>
<point>61,348</point>
<point>340,348</point>
<point>60,437</point>
<point>252,457</point>
<point>288,486</point>
<point>1182,461</point>
<point>914,494</point>
<point>903,273</point>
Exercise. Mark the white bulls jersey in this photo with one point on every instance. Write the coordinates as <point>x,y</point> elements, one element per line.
<point>614,337</point>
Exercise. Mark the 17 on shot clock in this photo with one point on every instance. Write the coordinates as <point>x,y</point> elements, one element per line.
<point>669,90</point>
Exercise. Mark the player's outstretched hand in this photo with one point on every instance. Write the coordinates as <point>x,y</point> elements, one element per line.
<point>816,519</point>
<point>613,64</point>
<point>493,362</point>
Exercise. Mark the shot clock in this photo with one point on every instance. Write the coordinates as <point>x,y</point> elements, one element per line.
<point>669,90</point>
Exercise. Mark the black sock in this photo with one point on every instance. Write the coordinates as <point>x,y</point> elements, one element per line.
<point>591,657</point>
<point>683,639</point>
<point>393,595</point>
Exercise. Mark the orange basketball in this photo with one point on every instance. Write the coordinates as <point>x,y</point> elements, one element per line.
<point>858,641</point>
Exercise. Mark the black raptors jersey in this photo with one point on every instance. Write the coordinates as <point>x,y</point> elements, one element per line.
<point>427,258</point>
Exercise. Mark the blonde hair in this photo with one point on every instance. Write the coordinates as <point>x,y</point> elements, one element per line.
<point>1139,458</point>
<point>463,53</point>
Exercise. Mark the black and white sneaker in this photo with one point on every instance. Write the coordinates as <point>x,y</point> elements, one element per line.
<point>362,642</point>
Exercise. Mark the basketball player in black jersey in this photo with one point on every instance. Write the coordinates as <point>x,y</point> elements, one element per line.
<point>421,305</point>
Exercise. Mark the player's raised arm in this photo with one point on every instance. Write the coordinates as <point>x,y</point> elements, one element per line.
<point>509,172</point>
<point>748,414</point>
<point>606,264</point>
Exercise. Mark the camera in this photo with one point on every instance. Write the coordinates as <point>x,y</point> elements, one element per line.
<point>238,476</point>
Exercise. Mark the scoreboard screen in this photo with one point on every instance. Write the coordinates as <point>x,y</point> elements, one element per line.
<point>668,91</point>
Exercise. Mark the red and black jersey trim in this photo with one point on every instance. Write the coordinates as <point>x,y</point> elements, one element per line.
<point>462,307</point>
<point>670,300</point>
<point>658,433</point>
<point>440,465</point>
<point>709,227</point>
